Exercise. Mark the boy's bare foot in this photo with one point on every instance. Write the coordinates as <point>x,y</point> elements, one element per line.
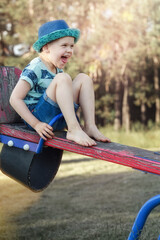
<point>79,136</point>
<point>93,131</point>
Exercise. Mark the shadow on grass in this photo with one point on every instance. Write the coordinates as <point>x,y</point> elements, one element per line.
<point>89,206</point>
<point>79,160</point>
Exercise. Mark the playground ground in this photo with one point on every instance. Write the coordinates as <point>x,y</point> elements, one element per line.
<point>89,199</point>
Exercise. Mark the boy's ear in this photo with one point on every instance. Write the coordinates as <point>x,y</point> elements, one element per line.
<point>45,48</point>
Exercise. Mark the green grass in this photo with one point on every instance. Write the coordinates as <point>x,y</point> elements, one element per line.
<point>143,139</point>
<point>89,199</point>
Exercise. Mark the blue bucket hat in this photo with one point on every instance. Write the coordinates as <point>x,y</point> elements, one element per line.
<point>53,30</point>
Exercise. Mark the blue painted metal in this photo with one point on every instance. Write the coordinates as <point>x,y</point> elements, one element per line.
<point>37,148</point>
<point>41,141</point>
<point>158,153</point>
<point>142,217</point>
<point>18,142</point>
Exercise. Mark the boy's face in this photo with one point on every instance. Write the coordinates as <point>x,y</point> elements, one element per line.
<point>60,51</point>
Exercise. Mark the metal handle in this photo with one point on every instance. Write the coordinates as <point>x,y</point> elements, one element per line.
<point>142,217</point>
<point>41,141</point>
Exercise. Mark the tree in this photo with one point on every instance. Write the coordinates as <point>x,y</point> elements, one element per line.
<point>119,48</point>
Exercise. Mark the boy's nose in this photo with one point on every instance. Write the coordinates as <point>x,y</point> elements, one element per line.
<point>70,49</point>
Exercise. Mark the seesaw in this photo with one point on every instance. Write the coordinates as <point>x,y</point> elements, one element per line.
<point>34,163</point>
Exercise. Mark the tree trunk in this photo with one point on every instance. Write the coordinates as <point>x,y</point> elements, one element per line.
<point>30,7</point>
<point>143,105</point>
<point>157,89</point>
<point>117,106</point>
<point>125,107</point>
<point>143,113</point>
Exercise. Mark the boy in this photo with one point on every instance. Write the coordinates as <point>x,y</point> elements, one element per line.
<point>44,90</point>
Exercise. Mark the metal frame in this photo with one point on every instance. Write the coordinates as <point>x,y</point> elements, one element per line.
<point>33,166</point>
<point>37,148</point>
<point>36,153</point>
<point>142,217</point>
<point>26,145</point>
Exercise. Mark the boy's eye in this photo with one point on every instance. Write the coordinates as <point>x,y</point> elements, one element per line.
<point>65,45</point>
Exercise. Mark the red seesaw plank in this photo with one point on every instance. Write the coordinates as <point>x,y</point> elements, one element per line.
<point>113,152</point>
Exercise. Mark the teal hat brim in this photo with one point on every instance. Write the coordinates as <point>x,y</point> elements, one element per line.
<point>69,32</point>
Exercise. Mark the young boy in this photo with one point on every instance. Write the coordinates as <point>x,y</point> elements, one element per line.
<point>44,90</point>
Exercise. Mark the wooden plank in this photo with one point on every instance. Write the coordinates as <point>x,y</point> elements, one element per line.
<point>8,79</point>
<point>129,156</point>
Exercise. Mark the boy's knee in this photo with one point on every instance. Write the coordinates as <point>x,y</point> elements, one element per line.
<point>64,77</point>
<point>84,77</point>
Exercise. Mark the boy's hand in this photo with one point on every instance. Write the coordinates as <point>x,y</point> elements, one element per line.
<point>44,130</point>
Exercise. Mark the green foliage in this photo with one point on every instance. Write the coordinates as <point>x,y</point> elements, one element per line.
<point>104,114</point>
<point>119,40</point>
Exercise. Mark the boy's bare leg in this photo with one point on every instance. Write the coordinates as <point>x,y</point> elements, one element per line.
<point>61,91</point>
<point>83,93</point>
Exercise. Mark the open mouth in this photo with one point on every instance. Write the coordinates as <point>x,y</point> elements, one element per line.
<point>64,59</point>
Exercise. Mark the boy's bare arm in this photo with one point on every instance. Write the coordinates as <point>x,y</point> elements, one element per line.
<point>16,100</point>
